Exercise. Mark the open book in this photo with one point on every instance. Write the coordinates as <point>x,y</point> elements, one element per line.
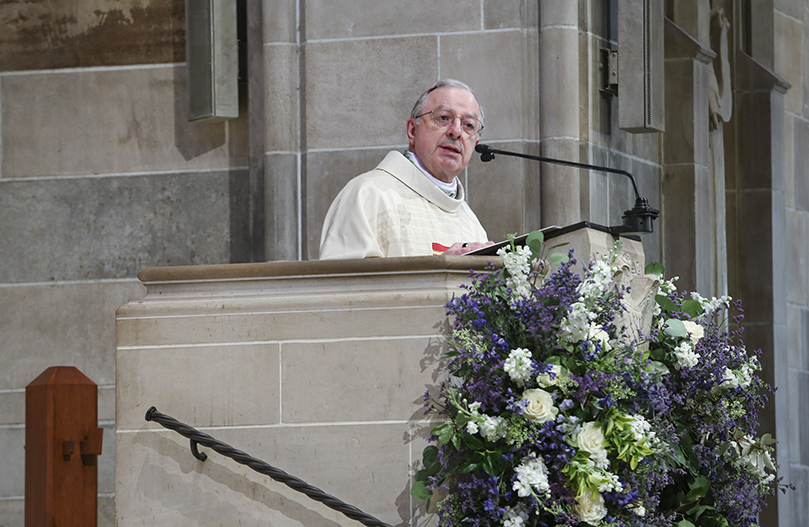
<point>519,241</point>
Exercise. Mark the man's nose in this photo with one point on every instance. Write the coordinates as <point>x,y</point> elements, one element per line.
<point>454,129</point>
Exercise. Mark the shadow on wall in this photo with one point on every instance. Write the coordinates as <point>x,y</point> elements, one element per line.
<point>193,139</point>
<point>185,483</point>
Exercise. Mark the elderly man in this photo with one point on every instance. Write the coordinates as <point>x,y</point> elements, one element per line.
<point>412,204</point>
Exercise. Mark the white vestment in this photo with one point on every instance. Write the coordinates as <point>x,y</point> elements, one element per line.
<point>394,210</point>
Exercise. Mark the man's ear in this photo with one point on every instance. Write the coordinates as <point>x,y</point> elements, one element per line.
<point>411,130</point>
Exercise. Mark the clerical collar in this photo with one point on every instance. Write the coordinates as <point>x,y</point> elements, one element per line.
<point>450,189</point>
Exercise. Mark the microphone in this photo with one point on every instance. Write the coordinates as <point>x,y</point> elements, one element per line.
<point>637,220</point>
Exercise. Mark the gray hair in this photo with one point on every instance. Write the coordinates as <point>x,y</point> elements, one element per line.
<point>418,108</point>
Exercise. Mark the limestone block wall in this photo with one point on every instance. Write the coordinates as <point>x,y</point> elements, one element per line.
<point>317,368</point>
<point>101,175</point>
<point>344,76</point>
<point>791,56</point>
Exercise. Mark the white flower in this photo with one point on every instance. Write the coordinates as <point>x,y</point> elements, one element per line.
<point>667,286</point>
<point>540,406</point>
<point>695,330</point>
<point>685,355</point>
<point>737,378</point>
<point>600,460</point>
<point>639,509</point>
<point>576,325</point>
<point>492,428</point>
<point>515,516</point>
<point>640,428</point>
<point>729,379</point>
<point>518,365</point>
<point>590,507</point>
<point>531,474</point>
<point>753,458</point>
<point>598,281</point>
<point>590,438</point>
<point>709,306</point>
<point>518,269</point>
<point>609,483</point>
<point>472,428</point>
<point>550,378</point>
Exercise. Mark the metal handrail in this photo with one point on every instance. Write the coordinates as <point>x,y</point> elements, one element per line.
<point>197,437</point>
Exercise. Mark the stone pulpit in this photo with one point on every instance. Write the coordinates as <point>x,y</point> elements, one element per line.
<point>316,367</point>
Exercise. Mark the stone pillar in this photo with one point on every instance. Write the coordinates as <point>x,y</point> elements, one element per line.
<point>559,128</point>
<point>281,118</point>
<point>757,245</point>
<point>686,189</point>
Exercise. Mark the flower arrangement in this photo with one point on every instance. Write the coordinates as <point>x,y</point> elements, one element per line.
<point>555,414</point>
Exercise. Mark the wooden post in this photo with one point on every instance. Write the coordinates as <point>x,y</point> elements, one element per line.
<point>62,443</point>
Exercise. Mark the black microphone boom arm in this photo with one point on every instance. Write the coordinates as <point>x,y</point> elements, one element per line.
<point>638,220</point>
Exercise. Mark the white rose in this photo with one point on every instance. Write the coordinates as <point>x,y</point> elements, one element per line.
<point>590,438</point>
<point>540,406</point>
<point>545,380</point>
<point>696,331</point>
<point>590,507</point>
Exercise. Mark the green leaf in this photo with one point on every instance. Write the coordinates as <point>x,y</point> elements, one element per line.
<point>474,442</point>
<point>656,366</point>
<point>445,433</point>
<point>607,426</point>
<point>430,456</point>
<point>665,303</point>
<point>420,491</point>
<point>692,307</point>
<point>534,241</point>
<point>699,486</point>
<point>558,258</point>
<point>675,328</point>
<point>697,510</point>
<point>685,523</point>
<point>470,467</point>
<point>655,268</point>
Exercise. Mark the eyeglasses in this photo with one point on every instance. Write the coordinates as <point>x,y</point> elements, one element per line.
<point>445,118</point>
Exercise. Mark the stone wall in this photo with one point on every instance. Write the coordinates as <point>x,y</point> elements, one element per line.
<point>791,60</point>
<point>101,174</point>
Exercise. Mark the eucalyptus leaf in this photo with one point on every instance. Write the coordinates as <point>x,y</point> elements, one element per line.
<point>675,328</point>
<point>656,366</point>
<point>535,241</point>
<point>558,258</point>
<point>655,268</point>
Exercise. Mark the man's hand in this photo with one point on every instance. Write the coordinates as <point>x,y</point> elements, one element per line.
<point>465,247</point>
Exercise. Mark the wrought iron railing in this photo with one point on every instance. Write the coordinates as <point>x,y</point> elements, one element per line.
<point>259,466</point>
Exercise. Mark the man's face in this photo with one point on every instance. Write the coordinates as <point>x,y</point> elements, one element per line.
<point>444,152</point>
